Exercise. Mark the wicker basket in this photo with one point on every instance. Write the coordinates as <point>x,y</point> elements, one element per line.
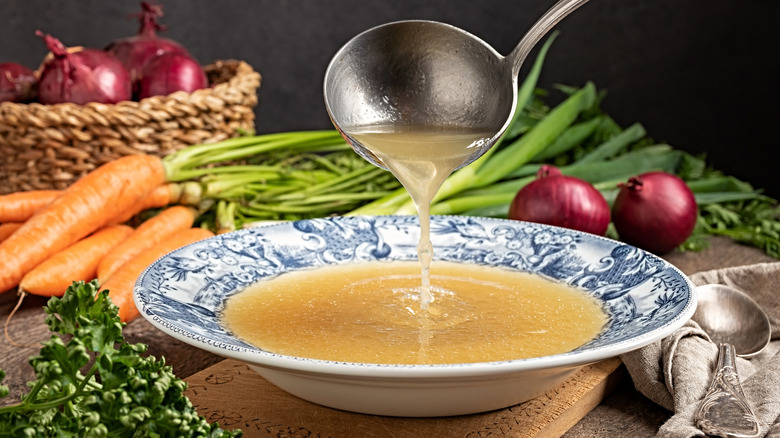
<point>50,146</point>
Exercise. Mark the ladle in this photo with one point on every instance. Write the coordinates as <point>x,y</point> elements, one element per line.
<point>430,74</point>
<point>740,328</point>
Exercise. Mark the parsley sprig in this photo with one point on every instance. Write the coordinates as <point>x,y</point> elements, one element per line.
<point>90,382</point>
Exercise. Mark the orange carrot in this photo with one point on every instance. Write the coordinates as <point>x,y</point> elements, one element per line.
<point>161,196</point>
<point>8,228</point>
<point>120,284</point>
<point>86,205</point>
<point>149,233</point>
<point>76,262</point>
<point>20,206</point>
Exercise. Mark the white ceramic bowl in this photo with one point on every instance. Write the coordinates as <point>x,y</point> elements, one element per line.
<point>646,298</point>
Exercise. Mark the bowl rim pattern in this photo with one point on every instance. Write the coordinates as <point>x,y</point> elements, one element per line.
<point>396,372</point>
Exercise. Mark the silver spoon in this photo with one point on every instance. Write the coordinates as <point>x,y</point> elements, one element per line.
<point>430,74</point>
<point>740,328</point>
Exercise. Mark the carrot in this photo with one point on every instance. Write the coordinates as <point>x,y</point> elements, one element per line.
<point>20,206</point>
<point>86,205</point>
<point>8,228</point>
<point>120,284</point>
<point>76,262</point>
<point>161,196</point>
<point>148,234</point>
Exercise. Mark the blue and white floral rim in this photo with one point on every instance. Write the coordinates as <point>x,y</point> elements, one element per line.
<point>183,292</point>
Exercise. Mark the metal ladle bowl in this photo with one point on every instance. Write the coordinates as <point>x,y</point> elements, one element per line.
<point>427,73</point>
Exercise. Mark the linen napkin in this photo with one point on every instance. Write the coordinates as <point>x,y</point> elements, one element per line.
<point>676,371</point>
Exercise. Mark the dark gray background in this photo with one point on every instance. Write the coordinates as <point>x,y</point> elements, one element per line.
<point>700,75</point>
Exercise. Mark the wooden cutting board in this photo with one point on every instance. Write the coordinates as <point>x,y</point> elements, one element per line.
<point>238,398</point>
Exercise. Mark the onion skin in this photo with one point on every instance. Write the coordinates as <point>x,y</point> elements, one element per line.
<point>563,201</point>
<point>655,211</point>
<point>17,83</point>
<point>88,75</point>
<point>171,72</point>
<point>136,51</point>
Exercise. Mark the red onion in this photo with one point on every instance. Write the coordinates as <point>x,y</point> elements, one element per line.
<point>136,51</point>
<point>17,83</point>
<point>171,72</point>
<point>88,75</point>
<point>655,211</point>
<point>563,201</point>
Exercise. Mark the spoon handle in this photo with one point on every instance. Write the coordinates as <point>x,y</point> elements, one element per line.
<point>724,411</point>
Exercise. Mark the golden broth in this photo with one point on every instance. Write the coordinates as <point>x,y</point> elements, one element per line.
<point>371,313</point>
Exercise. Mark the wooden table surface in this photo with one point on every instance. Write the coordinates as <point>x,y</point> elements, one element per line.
<point>625,413</point>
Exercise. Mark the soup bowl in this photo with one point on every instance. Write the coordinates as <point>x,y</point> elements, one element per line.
<point>645,298</point>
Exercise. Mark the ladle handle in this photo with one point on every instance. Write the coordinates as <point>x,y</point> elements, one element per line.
<point>724,411</point>
<point>556,13</point>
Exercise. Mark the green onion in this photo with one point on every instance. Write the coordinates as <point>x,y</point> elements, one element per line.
<point>296,175</point>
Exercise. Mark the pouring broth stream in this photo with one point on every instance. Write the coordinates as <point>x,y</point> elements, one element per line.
<point>421,158</point>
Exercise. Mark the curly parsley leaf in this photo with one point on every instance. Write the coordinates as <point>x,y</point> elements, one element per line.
<point>91,383</point>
